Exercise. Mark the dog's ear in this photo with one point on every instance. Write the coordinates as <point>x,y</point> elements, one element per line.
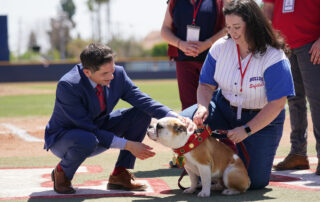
<point>192,127</point>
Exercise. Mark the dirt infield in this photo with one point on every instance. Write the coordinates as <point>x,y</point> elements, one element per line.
<point>12,145</point>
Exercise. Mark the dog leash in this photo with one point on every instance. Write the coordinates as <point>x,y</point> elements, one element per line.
<point>219,134</point>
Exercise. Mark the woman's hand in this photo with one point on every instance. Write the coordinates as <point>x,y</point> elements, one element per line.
<point>201,46</point>
<point>191,126</point>
<point>200,116</point>
<point>189,48</point>
<point>237,134</point>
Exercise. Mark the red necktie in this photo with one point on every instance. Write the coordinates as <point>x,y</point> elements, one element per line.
<point>100,95</point>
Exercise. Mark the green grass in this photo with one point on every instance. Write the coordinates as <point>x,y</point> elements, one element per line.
<point>165,92</point>
<point>26,105</point>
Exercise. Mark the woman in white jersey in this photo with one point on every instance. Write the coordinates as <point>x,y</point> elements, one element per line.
<point>253,75</point>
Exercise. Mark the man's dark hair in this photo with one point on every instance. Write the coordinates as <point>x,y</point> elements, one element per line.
<point>259,32</point>
<point>95,55</point>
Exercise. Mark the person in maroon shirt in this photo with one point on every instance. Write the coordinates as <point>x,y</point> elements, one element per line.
<point>299,23</point>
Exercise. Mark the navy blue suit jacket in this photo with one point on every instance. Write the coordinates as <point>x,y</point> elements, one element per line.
<point>77,105</point>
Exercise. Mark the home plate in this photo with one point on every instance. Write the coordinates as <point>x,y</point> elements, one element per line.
<point>296,179</point>
<point>22,183</point>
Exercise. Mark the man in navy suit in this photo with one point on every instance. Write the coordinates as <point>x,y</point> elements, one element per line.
<point>83,123</point>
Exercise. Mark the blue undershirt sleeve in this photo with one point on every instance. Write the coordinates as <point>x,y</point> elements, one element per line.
<point>208,70</point>
<point>278,81</point>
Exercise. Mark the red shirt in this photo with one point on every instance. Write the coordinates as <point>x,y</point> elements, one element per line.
<point>299,27</point>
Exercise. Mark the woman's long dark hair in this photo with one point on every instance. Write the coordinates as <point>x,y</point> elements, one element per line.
<point>259,32</point>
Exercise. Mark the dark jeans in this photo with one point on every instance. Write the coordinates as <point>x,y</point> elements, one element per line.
<point>77,145</point>
<point>261,146</point>
<point>306,77</point>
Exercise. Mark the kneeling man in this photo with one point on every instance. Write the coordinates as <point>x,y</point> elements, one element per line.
<point>83,122</point>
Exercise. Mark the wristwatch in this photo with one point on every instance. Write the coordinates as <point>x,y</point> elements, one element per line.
<point>247,129</point>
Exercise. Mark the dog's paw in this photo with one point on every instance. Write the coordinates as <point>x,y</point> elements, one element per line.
<point>189,190</point>
<point>230,192</point>
<point>204,194</point>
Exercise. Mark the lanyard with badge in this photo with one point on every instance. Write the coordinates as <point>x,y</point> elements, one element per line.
<point>239,107</point>
<point>193,31</point>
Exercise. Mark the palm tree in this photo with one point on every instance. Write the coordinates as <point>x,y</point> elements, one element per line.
<point>95,6</point>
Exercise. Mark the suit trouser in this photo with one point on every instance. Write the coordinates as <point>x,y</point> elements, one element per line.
<point>261,146</point>
<point>188,73</point>
<point>76,145</point>
<point>306,78</point>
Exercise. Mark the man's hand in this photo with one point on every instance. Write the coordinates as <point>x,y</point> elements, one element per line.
<point>315,52</point>
<point>139,150</point>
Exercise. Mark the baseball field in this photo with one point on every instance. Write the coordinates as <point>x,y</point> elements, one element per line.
<point>25,167</point>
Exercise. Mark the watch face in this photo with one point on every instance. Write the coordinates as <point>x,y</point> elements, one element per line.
<point>247,129</point>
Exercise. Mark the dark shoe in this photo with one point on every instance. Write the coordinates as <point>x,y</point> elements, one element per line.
<point>125,181</point>
<point>61,184</point>
<point>293,162</point>
<point>318,168</point>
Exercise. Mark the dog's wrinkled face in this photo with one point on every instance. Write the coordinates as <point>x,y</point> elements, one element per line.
<point>170,132</point>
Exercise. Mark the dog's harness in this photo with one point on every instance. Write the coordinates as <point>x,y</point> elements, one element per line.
<point>196,139</point>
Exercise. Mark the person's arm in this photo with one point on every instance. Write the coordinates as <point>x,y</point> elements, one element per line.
<point>167,34</point>
<point>267,9</point>
<point>204,96</point>
<point>268,113</point>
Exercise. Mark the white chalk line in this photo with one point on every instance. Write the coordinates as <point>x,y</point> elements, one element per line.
<point>21,133</point>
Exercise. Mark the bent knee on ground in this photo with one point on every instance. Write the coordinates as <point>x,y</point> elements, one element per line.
<point>259,183</point>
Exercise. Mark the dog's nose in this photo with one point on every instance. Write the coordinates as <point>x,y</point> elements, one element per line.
<point>159,126</point>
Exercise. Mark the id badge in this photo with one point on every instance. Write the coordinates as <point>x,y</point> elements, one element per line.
<point>288,6</point>
<point>193,33</point>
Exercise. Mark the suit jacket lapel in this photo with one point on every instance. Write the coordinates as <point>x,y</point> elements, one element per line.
<point>93,105</point>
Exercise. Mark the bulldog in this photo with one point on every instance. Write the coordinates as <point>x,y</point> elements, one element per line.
<point>212,160</point>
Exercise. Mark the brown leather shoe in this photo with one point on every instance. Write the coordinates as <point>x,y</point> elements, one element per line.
<point>318,168</point>
<point>61,184</point>
<point>125,181</point>
<point>293,162</point>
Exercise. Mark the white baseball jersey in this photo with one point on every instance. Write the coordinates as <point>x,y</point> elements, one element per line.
<point>268,76</point>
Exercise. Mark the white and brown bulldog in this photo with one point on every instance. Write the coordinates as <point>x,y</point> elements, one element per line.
<point>213,161</point>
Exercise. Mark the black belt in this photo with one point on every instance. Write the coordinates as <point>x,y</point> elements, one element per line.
<point>235,108</point>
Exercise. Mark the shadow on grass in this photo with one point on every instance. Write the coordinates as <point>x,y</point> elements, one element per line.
<point>174,195</point>
<point>178,195</point>
<point>165,172</point>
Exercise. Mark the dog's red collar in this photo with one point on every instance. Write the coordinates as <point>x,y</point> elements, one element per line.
<point>194,140</point>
